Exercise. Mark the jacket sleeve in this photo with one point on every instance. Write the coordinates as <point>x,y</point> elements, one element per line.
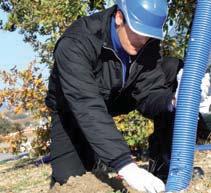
<point>153,93</point>
<point>87,105</point>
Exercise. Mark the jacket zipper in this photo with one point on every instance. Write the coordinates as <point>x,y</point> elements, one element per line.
<point>133,63</point>
<point>123,81</point>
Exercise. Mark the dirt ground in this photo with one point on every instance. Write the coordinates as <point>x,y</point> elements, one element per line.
<point>104,183</point>
<point>89,183</point>
<point>24,176</point>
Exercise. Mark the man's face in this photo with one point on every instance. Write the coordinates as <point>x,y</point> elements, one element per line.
<point>130,41</point>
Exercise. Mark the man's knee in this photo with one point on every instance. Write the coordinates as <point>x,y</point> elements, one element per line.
<point>65,166</point>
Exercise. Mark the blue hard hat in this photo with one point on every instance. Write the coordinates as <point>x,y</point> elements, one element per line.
<point>145,17</point>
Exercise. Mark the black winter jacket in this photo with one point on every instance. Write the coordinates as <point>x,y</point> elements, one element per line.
<point>86,79</point>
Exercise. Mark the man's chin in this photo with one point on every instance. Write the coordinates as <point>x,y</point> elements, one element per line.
<point>133,52</point>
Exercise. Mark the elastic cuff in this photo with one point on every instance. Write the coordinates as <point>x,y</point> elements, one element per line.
<point>121,161</point>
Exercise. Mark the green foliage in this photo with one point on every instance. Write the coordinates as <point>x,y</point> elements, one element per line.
<point>97,4</point>
<point>27,95</point>
<point>178,27</point>
<point>14,116</point>
<point>135,129</point>
<point>7,127</point>
<point>16,141</point>
<point>40,144</point>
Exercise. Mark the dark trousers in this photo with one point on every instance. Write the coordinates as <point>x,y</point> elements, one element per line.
<point>160,141</point>
<point>71,154</point>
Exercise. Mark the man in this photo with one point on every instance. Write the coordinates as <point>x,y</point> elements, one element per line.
<point>108,64</point>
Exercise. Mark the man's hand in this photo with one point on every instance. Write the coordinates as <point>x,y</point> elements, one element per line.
<point>140,179</point>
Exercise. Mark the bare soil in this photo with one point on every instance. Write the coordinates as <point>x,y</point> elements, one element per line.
<point>105,183</point>
<point>23,176</point>
<point>93,184</point>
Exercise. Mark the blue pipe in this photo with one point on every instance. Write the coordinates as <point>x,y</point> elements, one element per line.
<point>205,147</point>
<point>184,135</point>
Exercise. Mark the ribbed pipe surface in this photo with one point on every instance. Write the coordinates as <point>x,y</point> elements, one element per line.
<point>186,119</point>
<point>206,147</point>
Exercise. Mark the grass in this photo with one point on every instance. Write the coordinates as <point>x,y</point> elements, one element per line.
<point>23,176</point>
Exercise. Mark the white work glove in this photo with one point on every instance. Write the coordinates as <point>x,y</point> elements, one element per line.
<point>140,179</point>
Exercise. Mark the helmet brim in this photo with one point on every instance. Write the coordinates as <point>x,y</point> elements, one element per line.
<point>144,30</point>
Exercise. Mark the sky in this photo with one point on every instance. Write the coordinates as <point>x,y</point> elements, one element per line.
<point>15,52</point>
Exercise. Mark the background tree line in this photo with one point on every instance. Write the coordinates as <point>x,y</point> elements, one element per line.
<point>41,22</point>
